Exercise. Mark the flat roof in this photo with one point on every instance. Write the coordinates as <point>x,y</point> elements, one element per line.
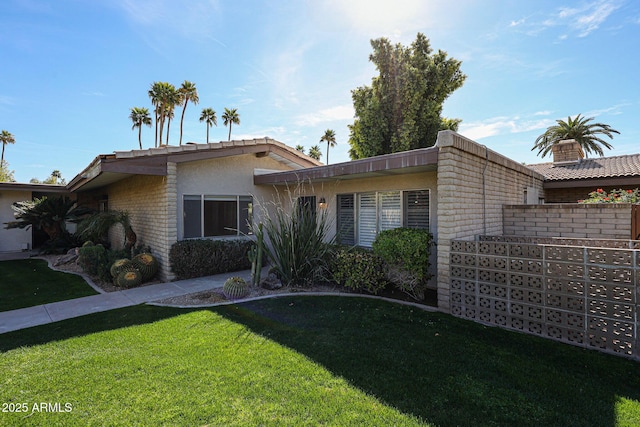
<point>419,160</point>
<point>40,188</point>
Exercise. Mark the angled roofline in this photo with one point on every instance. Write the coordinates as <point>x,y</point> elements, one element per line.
<point>41,188</point>
<point>107,168</point>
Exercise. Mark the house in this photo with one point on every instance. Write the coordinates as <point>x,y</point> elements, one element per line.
<point>16,240</point>
<point>571,177</point>
<point>456,189</point>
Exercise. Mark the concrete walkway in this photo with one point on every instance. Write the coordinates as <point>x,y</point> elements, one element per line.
<point>47,313</point>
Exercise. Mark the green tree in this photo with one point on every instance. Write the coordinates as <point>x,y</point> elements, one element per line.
<point>55,178</point>
<point>6,175</point>
<point>173,98</point>
<point>189,93</point>
<point>164,98</point>
<point>208,116</point>
<point>584,133</point>
<point>315,153</point>
<point>300,148</point>
<point>154,95</point>
<point>50,214</point>
<point>140,116</point>
<point>7,138</point>
<point>230,117</point>
<point>330,138</point>
<point>450,124</point>
<point>401,110</point>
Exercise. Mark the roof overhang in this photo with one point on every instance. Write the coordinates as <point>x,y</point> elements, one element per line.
<point>37,188</point>
<point>420,160</point>
<point>110,168</point>
<point>593,182</point>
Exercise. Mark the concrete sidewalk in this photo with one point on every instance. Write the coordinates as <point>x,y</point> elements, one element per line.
<point>48,313</point>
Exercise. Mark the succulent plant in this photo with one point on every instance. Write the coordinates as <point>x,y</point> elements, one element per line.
<point>235,288</point>
<point>121,265</point>
<point>129,279</point>
<point>87,243</point>
<point>147,264</point>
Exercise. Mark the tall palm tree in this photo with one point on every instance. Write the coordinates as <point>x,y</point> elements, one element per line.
<point>315,153</point>
<point>209,116</point>
<point>579,129</point>
<point>7,138</point>
<point>154,94</point>
<point>173,98</point>
<point>140,116</point>
<point>300,148</point>
<point>230,117</point>
<point>330,138</point>
<point>189,93</point>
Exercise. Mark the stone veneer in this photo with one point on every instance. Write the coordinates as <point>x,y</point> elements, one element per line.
<point>473,185</point>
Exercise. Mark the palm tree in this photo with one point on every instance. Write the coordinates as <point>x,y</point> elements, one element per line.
<point>209,116</point>
<point>173,98</point>
<point>164,98</point>
<point>300,148</point>
<point>7,138</point>
<point>330,138</point>
<point>579,129</point>
<point>154,94</point>
<point>140,116</point>
<point>315,153</point>
<point>230,117</point>
<point>189,93</point>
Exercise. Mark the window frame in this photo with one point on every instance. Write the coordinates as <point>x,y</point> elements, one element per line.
<point>241,202</point>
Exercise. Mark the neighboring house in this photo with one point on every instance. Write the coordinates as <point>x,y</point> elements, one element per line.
<point>571,177</point>
<point>16,240</point>
<point>456,189</point>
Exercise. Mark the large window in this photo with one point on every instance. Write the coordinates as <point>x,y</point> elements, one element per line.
<point>215,216</point>
<point>361,216</point>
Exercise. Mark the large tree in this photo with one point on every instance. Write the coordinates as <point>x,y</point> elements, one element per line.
<point>189,93</point>
<point>330,138</point>
<point>208,116</point>
<point>6,138</point>
<point>401,110</point>
<point>140,116</point>
<point>315,153</point>
<point>6,175</point>
<point>230,117</point>
<point>584,133</point>
<point>164,98</point>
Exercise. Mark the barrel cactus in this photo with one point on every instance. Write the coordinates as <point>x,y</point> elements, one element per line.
<point>129,279</point>
<point>147,264</point>
<point>121,265</point>
<point>235,288</point>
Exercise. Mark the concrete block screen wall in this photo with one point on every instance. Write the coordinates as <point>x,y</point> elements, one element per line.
<point>473,185</point>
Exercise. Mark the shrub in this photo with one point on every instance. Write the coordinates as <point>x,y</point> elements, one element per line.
<point>296,243</point>
<point>204,257</point>
<point>406,252</point>
<point>613,196</point>
<point>358,269</point>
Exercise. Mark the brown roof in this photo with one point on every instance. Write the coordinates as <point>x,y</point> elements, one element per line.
<point>602,167</point>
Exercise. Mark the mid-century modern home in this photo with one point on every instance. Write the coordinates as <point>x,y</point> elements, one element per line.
<point>455,189</point>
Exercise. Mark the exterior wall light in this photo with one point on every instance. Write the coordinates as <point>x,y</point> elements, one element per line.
<point>322,203</point>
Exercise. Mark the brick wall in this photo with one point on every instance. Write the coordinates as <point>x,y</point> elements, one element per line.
<point>473,185</point>
<point>597,221</point>
<point>151,204</point>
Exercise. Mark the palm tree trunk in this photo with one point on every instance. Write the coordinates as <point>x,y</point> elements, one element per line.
<point>2,158</point>
<point>207,133</point>
<point>140,135</point>
<point>229,139</point>
<point>186,100</point>
<point>156,140</point>
<point>327,152</point>
<point>168,127</point>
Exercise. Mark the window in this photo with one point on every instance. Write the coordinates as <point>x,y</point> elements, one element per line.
<point>361,216</point>
<point>215,216</point>
<point>307,205</point>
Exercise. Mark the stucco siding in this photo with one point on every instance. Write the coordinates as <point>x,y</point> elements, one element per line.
<point>15,239</point>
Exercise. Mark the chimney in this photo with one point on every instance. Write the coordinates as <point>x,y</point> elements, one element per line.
<point>567,151</point>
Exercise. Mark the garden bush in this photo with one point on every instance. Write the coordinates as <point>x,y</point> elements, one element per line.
<point>96,260</point>
<point>204,257</point>
<point>406,252</point>
<point>358,269</point>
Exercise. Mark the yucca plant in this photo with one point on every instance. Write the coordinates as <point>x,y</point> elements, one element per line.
<point>96,227</point>
<point>297,241</point>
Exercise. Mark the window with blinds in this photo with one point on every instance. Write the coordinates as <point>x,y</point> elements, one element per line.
<point>361,216</point>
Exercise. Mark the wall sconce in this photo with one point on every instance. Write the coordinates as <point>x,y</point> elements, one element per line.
<point>323,203</point>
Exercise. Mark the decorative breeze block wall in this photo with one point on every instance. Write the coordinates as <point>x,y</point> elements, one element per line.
<point>554,288</point>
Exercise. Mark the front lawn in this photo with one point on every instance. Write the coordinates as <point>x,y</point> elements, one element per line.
<point>29,282</point>
<point>306,361</point>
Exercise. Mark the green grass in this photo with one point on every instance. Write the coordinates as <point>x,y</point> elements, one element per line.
<point>29,282</point>
<point>308,361</point>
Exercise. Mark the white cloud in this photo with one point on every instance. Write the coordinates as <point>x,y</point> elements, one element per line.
<point>502,125</point>
<point>340,112</point>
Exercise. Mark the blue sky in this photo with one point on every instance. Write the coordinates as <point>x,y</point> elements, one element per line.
<point>70,70</point>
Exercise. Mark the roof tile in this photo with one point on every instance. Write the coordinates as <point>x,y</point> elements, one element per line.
<point>602,167</point>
